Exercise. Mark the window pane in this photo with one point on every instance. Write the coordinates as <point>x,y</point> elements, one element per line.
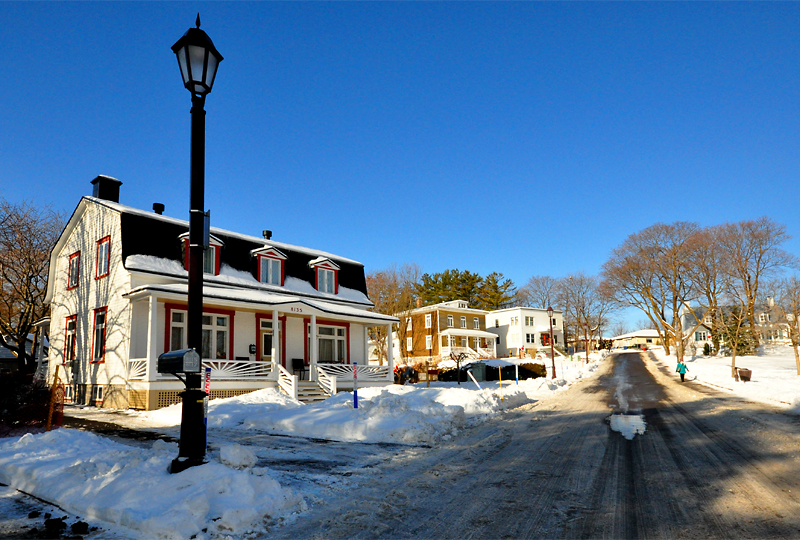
<point>266,324</point>
<point>264,270</point>
<point>222,321</point>
<point>340,347</point>
<point>177,316</point>
<point>324,331</point>
<point>177,338</point>
<point>208,260</point>
<point>206,344</point>
<point>275,278</point>
<point>326,350</point>
<point>206,320</point>
<point>221,342</point>
<point>266,345</point>
<point>340,332</point>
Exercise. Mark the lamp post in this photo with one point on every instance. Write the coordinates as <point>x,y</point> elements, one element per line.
<point>552,352</point>
<point>198,60</point>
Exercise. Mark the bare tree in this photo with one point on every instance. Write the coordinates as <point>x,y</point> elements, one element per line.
<point>587,303</point>
<point>751,252</point>
<point>393,291</point>
<point>651,270</point>
<point>619,328</point>
<point>27,235</point>
<point>539,292</point>
<point>710,278</point>
<point>787,300</point>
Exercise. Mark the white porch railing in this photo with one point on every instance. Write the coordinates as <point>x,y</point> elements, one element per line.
<point>238,369</point>
<point>137,368</point>
<point>343,373</point>
<point>221,370</point>
<point>287,381</point>
<point>327,382</point>
<point>469,351</point>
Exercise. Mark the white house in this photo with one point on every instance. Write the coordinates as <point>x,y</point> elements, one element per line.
<point>118,296</point>
<point>646,337</point>
<point>524,327</point>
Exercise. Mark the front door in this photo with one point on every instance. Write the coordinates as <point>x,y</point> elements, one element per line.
<point>267,334</point>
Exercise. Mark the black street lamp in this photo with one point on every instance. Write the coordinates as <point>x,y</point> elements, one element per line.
<point>198,60</point>
<point>552,352</point>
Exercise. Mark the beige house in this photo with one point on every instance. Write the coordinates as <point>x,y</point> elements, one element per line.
<point>647,338</point>
<point>273,314</point>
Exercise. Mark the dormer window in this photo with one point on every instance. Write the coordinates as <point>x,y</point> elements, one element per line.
<point>327,275</point>
<point>211,255</point>
<point>270,265</point>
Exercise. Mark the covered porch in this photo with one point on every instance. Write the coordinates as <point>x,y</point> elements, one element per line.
<point>255,339</point>
<point>474,343</point>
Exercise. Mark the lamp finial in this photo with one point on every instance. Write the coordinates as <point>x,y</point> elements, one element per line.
<point>197,22</point>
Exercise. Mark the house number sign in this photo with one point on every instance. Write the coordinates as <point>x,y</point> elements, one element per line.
<point>296,310</point>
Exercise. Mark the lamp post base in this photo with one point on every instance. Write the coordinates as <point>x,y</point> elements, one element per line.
<point>181,464</point>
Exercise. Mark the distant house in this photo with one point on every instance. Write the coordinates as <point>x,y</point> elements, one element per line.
<point>647,337</point>
<point>524,328</point>
<point>273,313</point>
<point>772,327</point>
<point>436,331</point>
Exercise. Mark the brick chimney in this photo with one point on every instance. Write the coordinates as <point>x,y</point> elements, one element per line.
<point>106,188</point>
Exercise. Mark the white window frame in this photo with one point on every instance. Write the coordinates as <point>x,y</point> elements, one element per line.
<point>450,322</point>
<point>270,270</point>
<point>326,280</point>
<point>408,323</point>
<point>463,321</point>
<point>339,338</point>
<point>177,324</point>
<point>476,323</point>
<point>427,320</point>
<point>103,257</point>
<point>409,344</point>
<point>210,260</point>
<point>215,328</point>
<point>428,342</point>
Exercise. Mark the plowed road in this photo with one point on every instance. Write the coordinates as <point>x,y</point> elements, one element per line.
<point>709,465</point>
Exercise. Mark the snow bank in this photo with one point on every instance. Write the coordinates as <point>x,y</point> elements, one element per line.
<point>775,379</point>
<point>129,487</point>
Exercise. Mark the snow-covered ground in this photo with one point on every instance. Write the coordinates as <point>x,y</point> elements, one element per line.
<point>774,380</point>
<point>244,489</point>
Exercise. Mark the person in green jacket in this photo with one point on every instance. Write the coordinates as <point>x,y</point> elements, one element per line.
<point>682,369</point>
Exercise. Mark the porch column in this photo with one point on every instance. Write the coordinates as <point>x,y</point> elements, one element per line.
<point>390,351</point>
<point>366,346</point>
<point>152,342</point>
<point>275,341</point>
<point>312,350</point>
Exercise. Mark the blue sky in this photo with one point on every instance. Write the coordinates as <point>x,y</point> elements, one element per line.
<point>523,138</point>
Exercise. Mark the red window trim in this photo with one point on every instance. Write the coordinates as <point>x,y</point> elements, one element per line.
<point>75,255</point>
<point>106,238</point>
<point>74,341</point>
<point>272,258</point>
<point>335,278</point>
<point>324,322</point>
<point>94,334</point>
<point>169,307</point>
<point>282,346</point>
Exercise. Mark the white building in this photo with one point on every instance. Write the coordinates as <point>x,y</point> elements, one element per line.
<point>117,291</point>
<point>524,327</point>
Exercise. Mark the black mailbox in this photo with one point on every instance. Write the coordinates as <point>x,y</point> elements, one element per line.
<point>181,361</point>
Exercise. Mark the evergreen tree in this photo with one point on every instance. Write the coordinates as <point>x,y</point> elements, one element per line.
<point>449,285</point>
<point>496,292</point>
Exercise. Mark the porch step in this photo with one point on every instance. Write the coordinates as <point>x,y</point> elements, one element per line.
<point>310,392</point>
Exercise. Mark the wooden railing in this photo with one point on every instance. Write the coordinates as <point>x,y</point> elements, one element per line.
<point>287,381</point>
<point>137,368</point>
<point>326,381</point>
<point>221,370</point>
<point>344,373</point>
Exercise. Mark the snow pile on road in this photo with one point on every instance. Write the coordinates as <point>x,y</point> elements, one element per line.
<point>774,380</point>
<point>130,487</point>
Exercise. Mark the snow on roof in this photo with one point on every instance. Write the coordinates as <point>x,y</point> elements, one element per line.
<point>267,299</point>
<point>646,333</point>
<point>215,230</point>
<point>239,278</point>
